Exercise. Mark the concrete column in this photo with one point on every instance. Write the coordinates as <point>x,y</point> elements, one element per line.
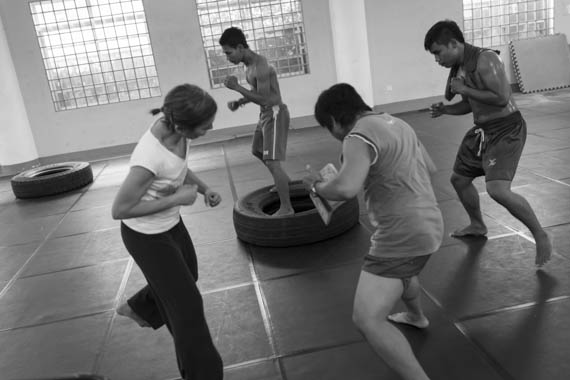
<point>562,17</point>
<point>350,39</point>
<point>17,143</point>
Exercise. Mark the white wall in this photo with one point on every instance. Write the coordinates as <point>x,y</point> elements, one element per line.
<point>401,68</point>
<point>16,140</point>
<point>350,43</point>
<point>179,56</point>
<point>562,17</point>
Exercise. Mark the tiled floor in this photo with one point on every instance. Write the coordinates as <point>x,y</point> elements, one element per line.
<point>285,313</point>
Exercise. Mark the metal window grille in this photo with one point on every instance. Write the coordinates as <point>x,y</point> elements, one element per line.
<point>273,28</point>
<point>490,23</point>
<point>95,51</point>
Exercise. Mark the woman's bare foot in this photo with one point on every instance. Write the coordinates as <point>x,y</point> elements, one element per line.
<point>472,230</point>
<point>419,321</point>
<point>126,311</point>
<point>543,249</point>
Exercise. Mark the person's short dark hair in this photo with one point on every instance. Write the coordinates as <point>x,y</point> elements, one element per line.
<point>443,32</point>
<point>233,37</point>
<point>187,106</point>
<point>340,102</point>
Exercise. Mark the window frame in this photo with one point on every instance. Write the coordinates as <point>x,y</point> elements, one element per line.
<point>493,23</point>
<point>284,44</point>
<point>93,54</point>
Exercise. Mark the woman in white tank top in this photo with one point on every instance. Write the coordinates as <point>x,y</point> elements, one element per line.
<point>148,203</point>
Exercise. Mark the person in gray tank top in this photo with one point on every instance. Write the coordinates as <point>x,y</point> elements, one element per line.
<point>382,156</point>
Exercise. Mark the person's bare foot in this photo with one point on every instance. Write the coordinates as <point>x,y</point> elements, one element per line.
<point>126,311</point>
<point>543,249</point>
<point>407,318</point>
<point>284,212</point>
<point>472,230</point>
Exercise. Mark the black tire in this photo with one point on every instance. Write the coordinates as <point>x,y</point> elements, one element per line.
<point>51,179</point>
<point>254,225</point>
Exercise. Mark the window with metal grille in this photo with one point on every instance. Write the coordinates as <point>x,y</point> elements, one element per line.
<point>496,22</point>
<point>273,28</point>
<point>95,51</point>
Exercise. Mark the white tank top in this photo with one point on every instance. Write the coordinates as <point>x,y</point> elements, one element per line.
<point>169,170</point>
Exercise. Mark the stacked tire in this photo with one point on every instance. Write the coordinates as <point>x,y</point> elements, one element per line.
<point>254,223</point>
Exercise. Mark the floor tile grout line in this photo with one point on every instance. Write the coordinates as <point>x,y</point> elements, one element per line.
<point>109,229</point>
<point>88,232</point>
<point>251,362</point>
<point>265,314</point>
<point>501,371</point>
<point>226,288</point>
<point>305,351</point>
<point>299,352</point>
<point>11,282</point>
<point>500,236</point>
<point>55,321</point>
<point>463,331</point>
<point>317,269</point>
<point>77,267</point>
<point>118,298</point>
<point>545,177</point>
<point>507,309</point>
<point>230,176</point>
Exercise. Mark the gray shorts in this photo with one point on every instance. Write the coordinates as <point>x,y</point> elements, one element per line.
<point>270,137</point>
<point>395,267</point>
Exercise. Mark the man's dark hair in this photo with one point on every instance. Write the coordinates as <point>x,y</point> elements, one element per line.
<point>340,102</point>
<point>233,37</point>
<point>442,33</point>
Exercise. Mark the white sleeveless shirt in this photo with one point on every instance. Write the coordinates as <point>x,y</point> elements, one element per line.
<point>169,170</point>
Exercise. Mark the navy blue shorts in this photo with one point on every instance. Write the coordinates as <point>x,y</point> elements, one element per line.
<point>492,149</point>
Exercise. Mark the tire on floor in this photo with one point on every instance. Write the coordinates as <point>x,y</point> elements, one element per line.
<point>254,224</point>
<point>51,179</point>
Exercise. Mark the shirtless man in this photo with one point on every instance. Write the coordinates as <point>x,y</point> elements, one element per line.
<point>494,145</point>
<point>270,137</point>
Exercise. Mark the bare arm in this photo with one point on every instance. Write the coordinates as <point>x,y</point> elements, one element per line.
<point>211,198</point>
<point>129,204</point>
<point>356,163</point>
<point>262,95</point>
<point>243,101</point>
<point>491,72</point>
<point>192,179</point>
<point>461,108</point>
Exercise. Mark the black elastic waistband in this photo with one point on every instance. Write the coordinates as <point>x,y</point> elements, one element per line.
<point>512,118</point>
<point>270,108</point>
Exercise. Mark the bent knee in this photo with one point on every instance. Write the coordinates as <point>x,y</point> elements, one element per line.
<point>498,190</point>
<point>367,319</point>
<point>359,319</point>
<point>459,181</point>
